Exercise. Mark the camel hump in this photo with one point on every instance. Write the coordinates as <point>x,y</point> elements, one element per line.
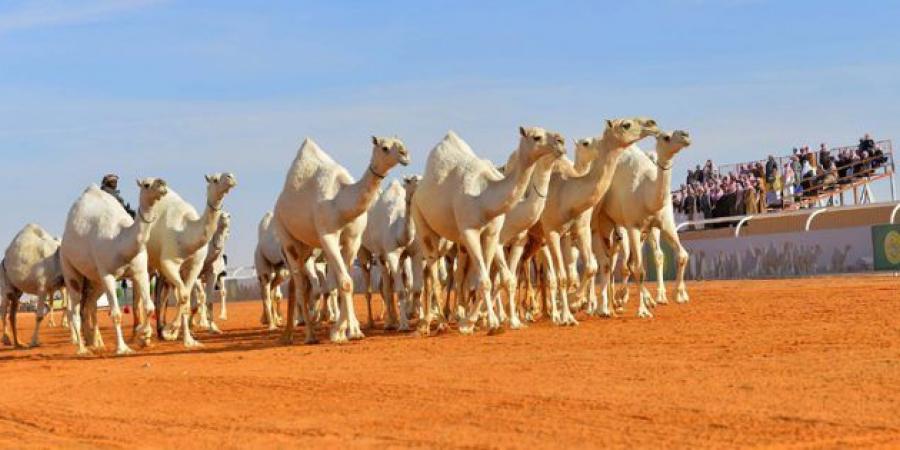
<point>265,222</point>
<point>312,153</point>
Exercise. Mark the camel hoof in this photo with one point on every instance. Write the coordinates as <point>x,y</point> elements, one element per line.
<point>170,335</point>
<point>6,340</point>
<point>338,336</point>
<point>193,344</point>
<point>272,328</point>
<point>214,329</point>
<point>645,314</point>
<point>403,327</point>
<point>516,325</point>
<point>496,331</point>
<point>424,329</point>
<point>124,351</point>
<point>466,329</point>
<point>286,340</point>
<point>83,352</point>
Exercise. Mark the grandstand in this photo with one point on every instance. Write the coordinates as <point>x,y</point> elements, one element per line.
<point>829,177</point>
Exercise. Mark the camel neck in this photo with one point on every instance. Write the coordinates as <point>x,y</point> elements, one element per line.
<point>131,240</point>
<point>354,199</point>
<point>199,232</point>
<point>501,195</point>
<point>584,192</point>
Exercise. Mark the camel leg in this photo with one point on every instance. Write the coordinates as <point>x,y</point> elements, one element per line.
<point>51,312</point>
<point>554,242</point>
<point>551,285</point>
<point>332,250</point>
<point>13,313</point>
<point>74,312</point>
<point>636,264</point>
<point>39,317</point>
<point>669,234</point>
<point>365,263</point>
<point>267,290</point>
<point>208,287</point>
<point>142,303</point>
<point>223,301</point>
<point>460,294</point>
<point>393,276</point>
<point>109,285</point>
<point>481,283</point>
<point>348,250</point>
<point>403,292</point>
<point>171,272</point>
<point>64,322</point>
<point>601,250</point>
<point>509,280</point>
<point>584,241</point>
<point>659,259</point>
<point>89,319</point>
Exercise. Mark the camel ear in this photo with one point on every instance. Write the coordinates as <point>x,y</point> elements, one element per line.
<point>138,181</point>
<point>374,140</point>
<point>522,132</point>
<point>609,123</point>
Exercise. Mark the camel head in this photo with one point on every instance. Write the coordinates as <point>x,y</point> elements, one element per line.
<point>648,125</point>
<point>217,186</point>
<point>621,133</point>
<point>410,184</point>
<point>536,142</point>
<point>387,152</point>
<point>152,189</point>
<point>669,144</point>
<point>225,221</point>
<point>567,169</point>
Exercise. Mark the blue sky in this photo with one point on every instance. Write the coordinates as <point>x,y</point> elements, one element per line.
<point>177,89</point>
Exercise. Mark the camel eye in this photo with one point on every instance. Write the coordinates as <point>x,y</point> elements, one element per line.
<point>537,138</point>
<point>667,138</point>
<point>146,185</point>
<point>385,149</point>
<point>626,125</point>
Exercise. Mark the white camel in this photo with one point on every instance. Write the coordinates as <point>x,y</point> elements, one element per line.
<point>389,230</point>
<point>271,271</point>
<point>210,282</point>
<point>321,206</point>
<point>462,199</point>
<point>639,200</point>
<point>178,246</point>
<point>570,199</point>
<point>30,266</point>
<point>102,244</point>
<point>516,223</point>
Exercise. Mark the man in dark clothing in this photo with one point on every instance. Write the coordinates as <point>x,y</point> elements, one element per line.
<point>866,144</point>
<point>110,185</point>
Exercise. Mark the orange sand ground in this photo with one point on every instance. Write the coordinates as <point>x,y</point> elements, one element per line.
<point>799,363</point>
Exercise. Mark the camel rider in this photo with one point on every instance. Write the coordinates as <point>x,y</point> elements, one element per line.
<point>110,185</point>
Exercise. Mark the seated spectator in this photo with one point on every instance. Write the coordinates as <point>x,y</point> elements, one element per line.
<point>866,144</point>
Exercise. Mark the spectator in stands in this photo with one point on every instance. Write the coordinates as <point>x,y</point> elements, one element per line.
<point>824,157</point>
<point>704,203</point>
<point>866,144</point>
<point>771,172</point>
<point>879,158</point>
<point>790,179</point>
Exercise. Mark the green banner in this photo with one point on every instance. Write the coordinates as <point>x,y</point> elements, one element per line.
<point>886,246</point>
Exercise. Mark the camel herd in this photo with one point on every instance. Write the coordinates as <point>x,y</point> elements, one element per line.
<point>540,222</point>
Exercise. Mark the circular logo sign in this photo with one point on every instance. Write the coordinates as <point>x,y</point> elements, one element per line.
<point>892,247</point>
